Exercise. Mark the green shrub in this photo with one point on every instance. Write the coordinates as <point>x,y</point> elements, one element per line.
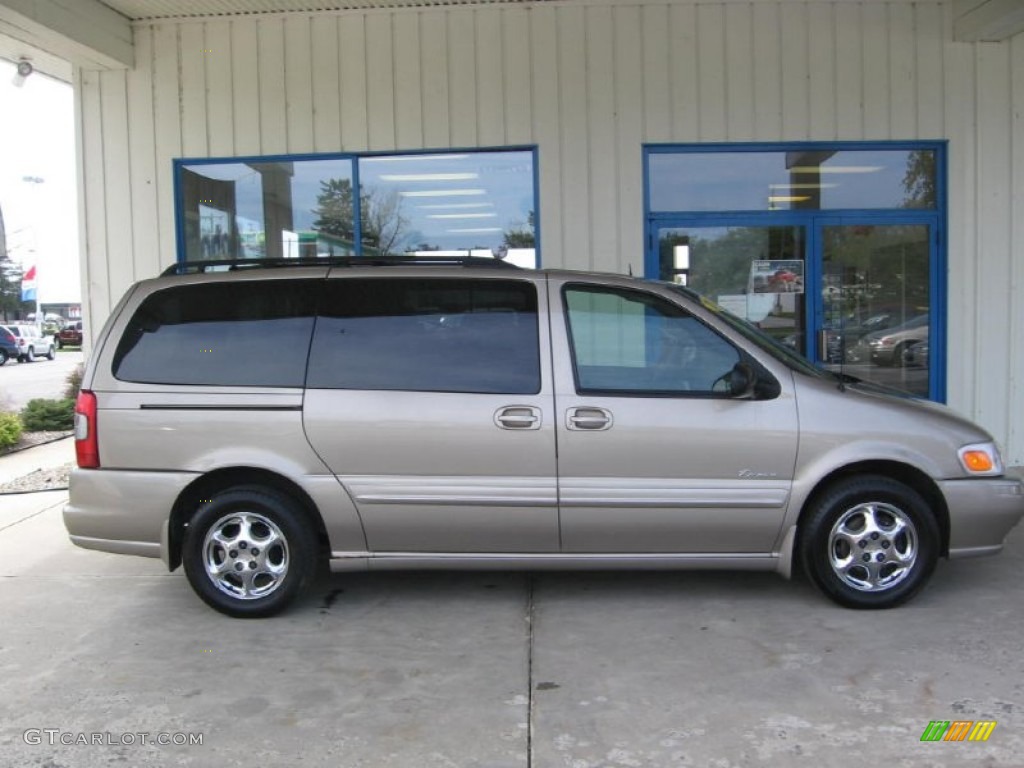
<point>10,429</point>
<point>73,382</point>
<point>48,415</point>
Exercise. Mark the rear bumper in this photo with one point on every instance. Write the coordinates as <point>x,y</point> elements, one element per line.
<point>125,512</point>
<point>981,513</point>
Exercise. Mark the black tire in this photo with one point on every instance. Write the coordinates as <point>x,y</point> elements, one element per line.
<point>897,354</point>
<point>30,356</point>
<point>879,518</point>
<point>279,570</point>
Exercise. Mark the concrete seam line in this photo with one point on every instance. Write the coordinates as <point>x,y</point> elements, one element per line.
<point>529,670</point>
<point>29,517</point>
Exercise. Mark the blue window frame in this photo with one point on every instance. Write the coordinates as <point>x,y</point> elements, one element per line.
<point>872,219</point>
<point>447,202</point>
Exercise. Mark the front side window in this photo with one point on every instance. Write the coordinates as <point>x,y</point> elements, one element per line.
<point>241,333</point>
<point>427,336</point>
<point>634,343</point>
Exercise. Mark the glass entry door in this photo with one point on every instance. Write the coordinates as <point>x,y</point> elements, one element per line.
<point>875,317</point>
<point>756,272</point>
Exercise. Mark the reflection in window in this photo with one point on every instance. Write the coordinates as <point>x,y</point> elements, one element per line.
<point>447,204</point>
<point>810,179</point>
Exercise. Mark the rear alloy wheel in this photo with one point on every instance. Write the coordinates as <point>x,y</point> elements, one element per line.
<point>30,356</point>
<point>870,542</point>
<point>248,552</point>
<point>50,354</point>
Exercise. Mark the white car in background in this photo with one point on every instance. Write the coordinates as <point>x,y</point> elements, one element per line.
<point>31,344</point>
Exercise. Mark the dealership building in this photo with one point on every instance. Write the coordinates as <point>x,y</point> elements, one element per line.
<point>846,174</point>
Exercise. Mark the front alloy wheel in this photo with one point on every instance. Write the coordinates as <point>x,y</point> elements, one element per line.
<point>873,547</point>
<point>870,542</point>
<point>248,552</point>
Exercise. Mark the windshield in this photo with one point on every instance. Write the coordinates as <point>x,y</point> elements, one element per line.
<point>752,333</point>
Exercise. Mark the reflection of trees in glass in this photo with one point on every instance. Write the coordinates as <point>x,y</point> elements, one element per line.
<point>919,179</point>
<point>720,265</point>
<point>381,218</point>
<point>521,235</point>
<point>878,267</point>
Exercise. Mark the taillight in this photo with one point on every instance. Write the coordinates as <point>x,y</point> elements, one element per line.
<point>87,447</point>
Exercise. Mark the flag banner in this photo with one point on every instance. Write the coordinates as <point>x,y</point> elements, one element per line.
<point>28,285</point>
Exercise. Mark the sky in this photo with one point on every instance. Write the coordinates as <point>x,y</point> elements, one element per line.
<point>37,140</point>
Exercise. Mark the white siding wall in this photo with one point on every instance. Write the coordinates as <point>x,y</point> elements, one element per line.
<point>588,83</point>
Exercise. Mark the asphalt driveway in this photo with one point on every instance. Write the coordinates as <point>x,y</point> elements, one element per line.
<point>101,654</point>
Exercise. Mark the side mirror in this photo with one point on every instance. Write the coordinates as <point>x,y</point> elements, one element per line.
<point>742,381</point>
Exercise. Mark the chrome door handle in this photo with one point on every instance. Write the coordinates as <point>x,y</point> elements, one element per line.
<point>518,417</point>
<point>588,419</point>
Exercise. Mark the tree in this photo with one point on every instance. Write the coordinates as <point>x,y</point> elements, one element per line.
<point>521,235</point>
<point>919,179</point>
<point>381,218</point>
<point>10,288</point>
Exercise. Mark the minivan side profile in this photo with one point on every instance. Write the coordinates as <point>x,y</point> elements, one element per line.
<point>253,422</point>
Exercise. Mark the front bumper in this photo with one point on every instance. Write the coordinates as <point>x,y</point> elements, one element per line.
<point>125,512</point>
<point>982,511</point>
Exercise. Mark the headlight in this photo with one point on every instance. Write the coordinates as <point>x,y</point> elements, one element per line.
<point>981,459</point>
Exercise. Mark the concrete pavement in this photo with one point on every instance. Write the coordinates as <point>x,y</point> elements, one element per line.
<point>47,456</point>
<point>573,670</point>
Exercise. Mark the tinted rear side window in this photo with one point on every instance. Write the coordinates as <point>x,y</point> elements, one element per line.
<point>245,333</point>
<point>427,336</point>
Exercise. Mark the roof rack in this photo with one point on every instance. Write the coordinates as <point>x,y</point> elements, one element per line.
<point>230,265</point>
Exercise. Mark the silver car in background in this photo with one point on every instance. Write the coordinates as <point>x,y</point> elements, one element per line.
<point>31,343</point>
<point>404,413</point>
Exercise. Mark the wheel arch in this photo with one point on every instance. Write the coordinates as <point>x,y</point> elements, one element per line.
<point>910,476</point>
<point>211,483</point>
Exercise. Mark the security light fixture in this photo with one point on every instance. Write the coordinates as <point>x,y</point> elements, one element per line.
<point>25,69</point>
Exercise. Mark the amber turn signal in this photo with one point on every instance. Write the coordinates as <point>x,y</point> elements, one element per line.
<point>977,461</point>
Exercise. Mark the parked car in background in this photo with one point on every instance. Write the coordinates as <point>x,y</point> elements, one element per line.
<point>887,347</point>
<point>31,344</point>
<point>8,346</point>
<point>70,335</point>
<point>916,356</point>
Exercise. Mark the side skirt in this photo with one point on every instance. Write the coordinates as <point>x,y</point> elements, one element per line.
<point>362,561</point>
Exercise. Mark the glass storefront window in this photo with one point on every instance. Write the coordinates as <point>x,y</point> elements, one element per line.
<point>478,203</point>
<point>832,249</point>
<point>813,179</point>
<point>757,273</point>
<point>468,203</point>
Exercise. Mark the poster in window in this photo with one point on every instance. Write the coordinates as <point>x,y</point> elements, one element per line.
<point>777,276</point>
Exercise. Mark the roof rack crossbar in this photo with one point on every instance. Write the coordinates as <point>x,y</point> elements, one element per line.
<point>192,267</point>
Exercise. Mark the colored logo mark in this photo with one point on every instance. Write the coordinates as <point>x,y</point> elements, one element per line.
<point>958,730</point>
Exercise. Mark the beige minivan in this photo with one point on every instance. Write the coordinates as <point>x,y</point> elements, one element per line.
<point>251,421</point>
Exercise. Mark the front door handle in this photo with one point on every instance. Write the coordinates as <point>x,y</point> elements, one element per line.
<point>587,419</point>
<point>518,417</point>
